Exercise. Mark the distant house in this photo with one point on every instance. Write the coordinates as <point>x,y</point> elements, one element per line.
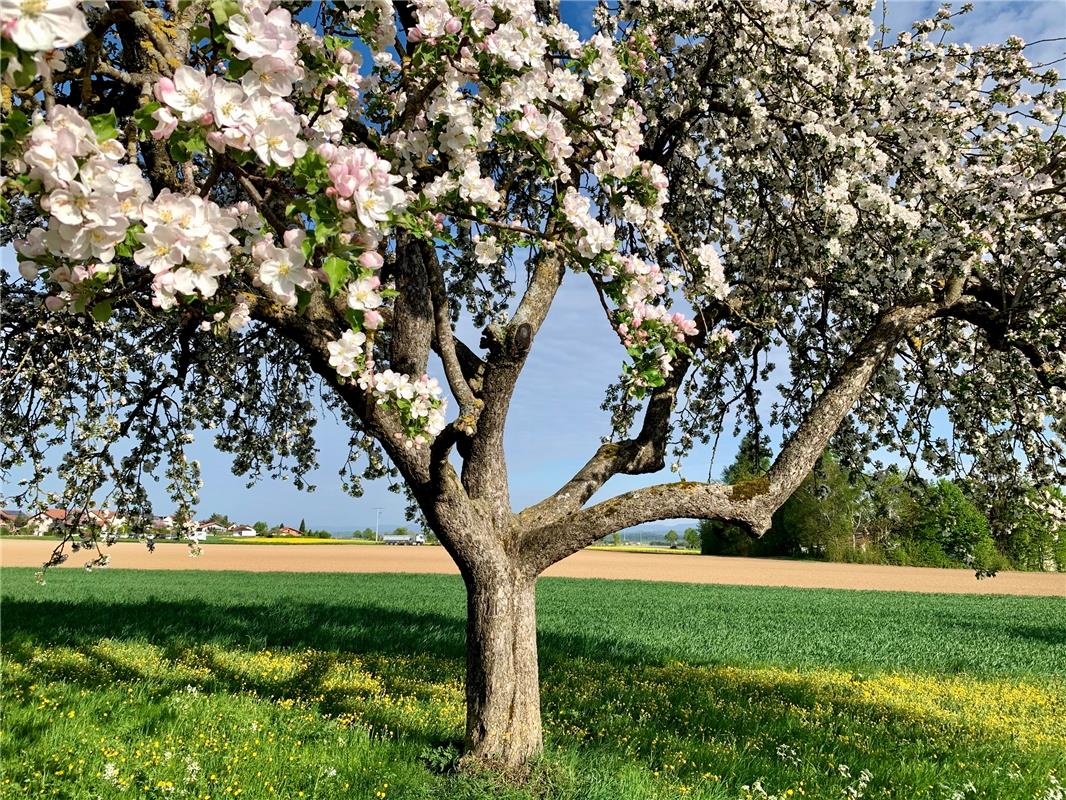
<point>211,527</point>
<point>51,520</point>
<point>99,517</point>
<point>166,528</point>
<point>284,530</point>
<point>54,520</point>
<point>9,517</point>
<point>241,530</point>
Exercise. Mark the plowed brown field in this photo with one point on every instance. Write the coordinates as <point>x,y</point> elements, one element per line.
<point>586,564</point>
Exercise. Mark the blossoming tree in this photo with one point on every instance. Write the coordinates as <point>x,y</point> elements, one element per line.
<point>224,210</point>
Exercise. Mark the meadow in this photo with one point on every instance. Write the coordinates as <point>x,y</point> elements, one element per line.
<point>123,684</point>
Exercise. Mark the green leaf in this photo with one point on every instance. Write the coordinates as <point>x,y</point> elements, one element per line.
<point>16,125</point>
<point>197,142</point>
<point>131,243</point>
<point>653,377</point>
<point>222,10</point>
<point>177,149</point>
<point>185,141</point>
<point>238,68</point>
<point>355,318</point>
<point>311,171</point>
<point>300,206</point>
<point>8,50</point>
<point>26,70</point>
<point>243,158</point>
<point>16,122</point>
<point>102,311</point>
<point>333,42</point>
<point>336,270</point>
<point>105,126</point>
<point>303,300</point>
<point>323,232</point>
<point>143,116</point>
<point>199,34</point>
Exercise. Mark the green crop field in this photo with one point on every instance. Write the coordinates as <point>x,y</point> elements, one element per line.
<point>126,684</point>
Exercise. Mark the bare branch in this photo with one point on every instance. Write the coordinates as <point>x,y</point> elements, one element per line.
<point>484,469</point>
<point>642,455</point>
<point>469,406</point>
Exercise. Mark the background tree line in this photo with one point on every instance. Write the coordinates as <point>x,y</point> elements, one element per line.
<point>893,517</point>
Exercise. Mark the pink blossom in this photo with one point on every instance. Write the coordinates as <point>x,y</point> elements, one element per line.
<point>372,319</point>
<point>166,123</point>
<point>371,260</point>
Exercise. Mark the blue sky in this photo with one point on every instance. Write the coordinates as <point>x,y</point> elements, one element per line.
<point>556,421</point>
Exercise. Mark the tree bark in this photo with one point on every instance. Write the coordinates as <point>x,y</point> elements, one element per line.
<point>503,727</point>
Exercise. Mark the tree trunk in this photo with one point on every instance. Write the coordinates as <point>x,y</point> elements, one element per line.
<point>502,681</point>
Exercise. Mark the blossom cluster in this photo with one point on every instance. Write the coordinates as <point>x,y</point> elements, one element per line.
<point>252,114</point>
<point>91,199</point>
<point>88,195</point>
<point>362,182</point>
<point>186,244</point>
<point>594,237</point>
<point>98,205</point>
<point>283,270</point>
<point>418,401</point>
<point>248,116</point>
<point>712,281</point>
<point>651,334</point>
<point>551,128</point>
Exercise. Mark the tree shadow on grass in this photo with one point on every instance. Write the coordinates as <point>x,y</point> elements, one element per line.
<point>402,670</point>
<point>1045,634</point>
<point>320,625</point>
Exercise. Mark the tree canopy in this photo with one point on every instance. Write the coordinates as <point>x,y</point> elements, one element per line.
<point>225,211</point>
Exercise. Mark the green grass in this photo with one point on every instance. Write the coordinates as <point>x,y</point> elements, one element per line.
<point>212,685</point>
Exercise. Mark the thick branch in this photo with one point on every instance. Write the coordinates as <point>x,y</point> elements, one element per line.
<point>469,406</point>
<point>753,503</point>
<point>412,318</point>
<point>426,471</point>
<point>484,470</point>
<point>642,455</point>
<point>148,22</point>
<point>804,447</point>
<point>545,546</point>
<point>469,362</point>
